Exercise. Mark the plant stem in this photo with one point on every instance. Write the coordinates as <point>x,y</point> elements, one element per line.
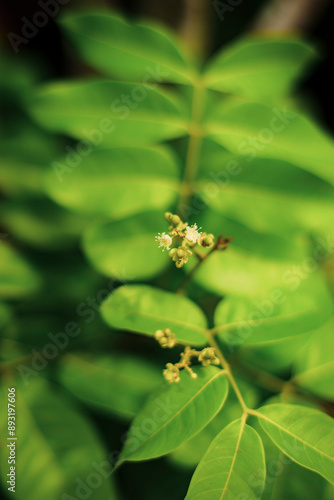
<point>229,374</point>
<point>201,258</point>
<point>195,27</point>
<point>195,137</point>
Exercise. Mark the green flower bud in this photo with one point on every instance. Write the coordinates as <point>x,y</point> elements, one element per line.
<point>176,220</point>
<point>172,219</point>
<point>172,373</point>
<point>206,240</point>
<point>168,217</point>
<point>165,338</point>
<point>208,357</point>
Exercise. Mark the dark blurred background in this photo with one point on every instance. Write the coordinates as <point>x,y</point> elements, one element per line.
<point>205,25</point>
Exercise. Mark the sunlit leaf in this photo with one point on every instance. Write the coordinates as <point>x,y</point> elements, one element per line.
<point>254,263</point>
<point>285,478</point>
<point>276,315</point>
<point>94,112</point>
<point>251,192</point>
<point>175,413</point>
<point>189,454</point>
<point>117,182</point>
<point>146,309</point>
<point>258,131</point>
<point>303,434</point>
<point>314,367</point>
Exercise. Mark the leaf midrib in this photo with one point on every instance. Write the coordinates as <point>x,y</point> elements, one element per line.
<point>242,426</point>
<point>305,443</point>
<point>219,374</point>
<point>137,54</point>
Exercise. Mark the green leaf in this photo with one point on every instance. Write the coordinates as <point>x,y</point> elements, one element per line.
<point>93,111</point>
<point>254,262</point>
<point>17,277</point>
<point>66,453</point>
<point>285,478</point>
<point>116,384</point>
<point>189,454</point>
<point>5,314</point>
<point>232,467</point>
<point>259,68</point>
<point>314,366</point>
<point>175,413</point>
<point>273,357</point>
<point>250,192</point>
<point>118,182</point>
<point>126,249</point>
<point>303,434</point>
<point>256,130</point>
<point>127,51</point>
<point>146,309</point>
<point>270,317</point>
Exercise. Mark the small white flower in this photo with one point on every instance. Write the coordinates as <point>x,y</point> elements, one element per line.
<point>165,240</point>
<point>192,233</point>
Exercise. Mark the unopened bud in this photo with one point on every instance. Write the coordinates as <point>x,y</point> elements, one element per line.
<point>208,357</point>
<point>172,373</point>
<point>165,338</point>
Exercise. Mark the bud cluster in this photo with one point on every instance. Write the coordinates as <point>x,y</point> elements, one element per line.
<point>186,237</point>
<point>165,338</point>
<point>208,357</point>
<point>172,372</point>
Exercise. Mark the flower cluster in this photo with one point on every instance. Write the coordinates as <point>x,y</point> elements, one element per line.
<point>165,338</point>
<point>172,372</point>
<point>185,237</point>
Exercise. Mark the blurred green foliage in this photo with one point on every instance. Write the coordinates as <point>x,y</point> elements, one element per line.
<point>89,167</point>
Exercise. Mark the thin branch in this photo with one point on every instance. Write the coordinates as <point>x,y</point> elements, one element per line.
<point>220,244</point>
<point>229,374</point>
<point>195,28</point>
